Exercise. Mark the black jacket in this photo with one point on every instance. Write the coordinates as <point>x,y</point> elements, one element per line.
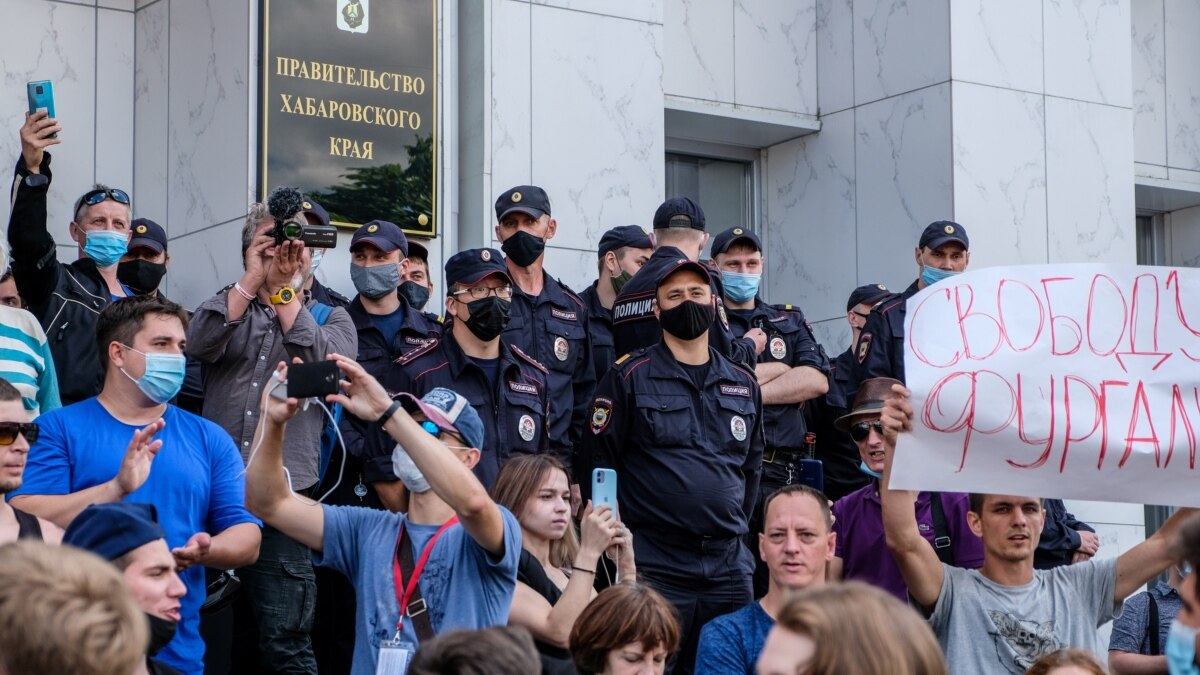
<point>66,298</point>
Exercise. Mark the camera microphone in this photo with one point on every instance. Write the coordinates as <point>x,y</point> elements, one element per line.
<point>284,203</point>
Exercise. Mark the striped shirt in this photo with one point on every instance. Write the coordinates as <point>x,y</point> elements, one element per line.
<point>25,361</point>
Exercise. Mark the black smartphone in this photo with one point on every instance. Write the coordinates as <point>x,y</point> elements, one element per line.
<point>308,380</point>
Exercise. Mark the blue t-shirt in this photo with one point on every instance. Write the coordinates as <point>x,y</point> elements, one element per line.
<point>195,482</point>
<point>464,586</point>
<point>731,643</point>
<point>389,324</point>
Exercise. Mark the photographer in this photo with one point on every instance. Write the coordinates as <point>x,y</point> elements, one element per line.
<point>239,334</point>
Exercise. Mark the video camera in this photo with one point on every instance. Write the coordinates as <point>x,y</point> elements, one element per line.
<point>284,203</point>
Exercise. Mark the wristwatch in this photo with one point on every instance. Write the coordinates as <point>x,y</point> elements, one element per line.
<point>284,296</point>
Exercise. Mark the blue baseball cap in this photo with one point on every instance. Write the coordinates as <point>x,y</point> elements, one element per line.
<point>449,411</point>
<point>942,231</point>
<point>724,240</point>
<point>112,530</point>
<point>869,294</point>
<point>679,212</point>
<point>381,234</point>
<point>624,236</point>
<point>147,234</point>
<point>469,266</point>
<point>529,199</point>
<point>309,207</point>
<point>678,266</point>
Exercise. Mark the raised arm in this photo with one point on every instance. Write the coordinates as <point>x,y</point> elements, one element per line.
<point>448,477</point>
<point>268,494</point>
<point>918,563</point>
<point>35,262</point>
<point>1148,559</point>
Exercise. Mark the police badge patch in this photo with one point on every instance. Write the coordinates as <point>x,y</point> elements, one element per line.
<point>352,15</point>
<point>526,427</point>
<point>737,426</point>
<point>778,348</point>
<point>601,412</point>
<point>561,349</point>
<point>864,347</point>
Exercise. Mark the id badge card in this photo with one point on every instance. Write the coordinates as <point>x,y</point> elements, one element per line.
<point>394,657</point>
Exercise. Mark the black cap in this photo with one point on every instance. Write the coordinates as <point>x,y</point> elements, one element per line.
<point>418,250</point>
<point>112,530</point>
<point>309,206</point>
<point>148,234</point>
<point>942,231</point>
<point>381,234</point>
<point>529,199</point>
<point>679,212</point>
<point>622,236</point>
<point>469,266</point>
<point>724,240</point>
<point>678,266</point>
<point>870,294</point>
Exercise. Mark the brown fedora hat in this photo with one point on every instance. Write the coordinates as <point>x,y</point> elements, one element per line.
<point>869,400</point>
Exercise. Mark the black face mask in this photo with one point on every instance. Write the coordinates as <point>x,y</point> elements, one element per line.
<point>161,632</point>
<point>141,276</point>
<point>523,248</point>
<point>416,294</point>
<point>488,317</point>
<point>688,320</point>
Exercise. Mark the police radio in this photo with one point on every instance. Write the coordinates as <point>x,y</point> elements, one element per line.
<point>812,471</point>
<point>284,203</point>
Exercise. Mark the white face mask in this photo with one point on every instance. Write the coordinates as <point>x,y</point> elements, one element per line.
<point>407,471</point>
<point>317,255</point>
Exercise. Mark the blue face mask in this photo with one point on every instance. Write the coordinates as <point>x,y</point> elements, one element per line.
<point>317,255</point>
<point>1181,649</point>
<point>862,466</point>
<point>740,287</point>
<point>932,275</point>
<point>163,377</point>
<point>106,247</point>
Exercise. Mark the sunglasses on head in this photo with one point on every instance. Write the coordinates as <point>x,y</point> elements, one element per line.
<point>94,197</point>
<point>9,431</point>
<point>859,431</point>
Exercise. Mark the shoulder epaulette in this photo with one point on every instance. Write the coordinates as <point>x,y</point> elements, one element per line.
<point>623,359</point>
<point>412,354</point>
<point>529,359</point>
<point>436,318</point>
<point>786,307</point>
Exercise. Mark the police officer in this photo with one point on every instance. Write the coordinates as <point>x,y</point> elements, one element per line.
<point>416,284</point>
<point>505,386</point>
<point>549,322</point>
<point>792,369</point>
<point>836,450</point>
<point>682,426</point>
<point>942,251</point>
<point>315,214</point>
<point>622,252</point>
<point>678,233</point>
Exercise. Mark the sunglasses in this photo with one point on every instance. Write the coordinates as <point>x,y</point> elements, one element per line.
<point>9,431</point>
<point>859,431</point>
<point>436,431</point>
<point>94,197</point>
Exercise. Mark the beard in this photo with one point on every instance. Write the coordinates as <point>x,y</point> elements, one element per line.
<point>10,485</point>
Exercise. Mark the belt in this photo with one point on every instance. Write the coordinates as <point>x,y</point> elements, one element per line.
<point>687,540</point>
<point>783,456</point>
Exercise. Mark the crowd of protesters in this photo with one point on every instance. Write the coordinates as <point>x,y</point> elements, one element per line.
<point>438,513</point>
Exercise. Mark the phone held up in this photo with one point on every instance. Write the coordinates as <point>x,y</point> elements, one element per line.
<point>309,380</point>
<point>41,97</point>
<point>604,489</point>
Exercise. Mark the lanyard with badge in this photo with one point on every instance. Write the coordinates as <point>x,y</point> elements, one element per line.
<point>396,654</point>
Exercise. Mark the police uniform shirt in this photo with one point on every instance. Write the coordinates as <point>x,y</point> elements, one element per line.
<point>364,438</point>
<point>600,331</point>
<point>688,461</point>
<point>514,413</point>
<point>836,450</point>
<point>552,329</point>
<point>634,325</point>
<point>789,341</point>
<point>880,348</point>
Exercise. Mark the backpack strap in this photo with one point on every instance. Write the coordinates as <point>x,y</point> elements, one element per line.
<point>320,312</point>
<point>942,543</point>
<point>1152,626</point>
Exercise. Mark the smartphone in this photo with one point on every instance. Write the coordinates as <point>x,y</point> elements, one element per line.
<point>41,97</point>
<point>604,489</point>
<point>308,380</point>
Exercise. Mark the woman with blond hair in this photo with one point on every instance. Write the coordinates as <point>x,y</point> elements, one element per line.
<point>849,628</point>
<point>557,571</point>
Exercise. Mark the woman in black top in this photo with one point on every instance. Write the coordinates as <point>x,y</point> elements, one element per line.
<point>556,571</point>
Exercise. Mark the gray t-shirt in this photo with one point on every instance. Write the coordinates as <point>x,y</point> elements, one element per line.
<point>985,627</point>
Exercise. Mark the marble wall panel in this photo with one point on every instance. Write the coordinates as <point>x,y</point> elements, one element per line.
<point>1089,182</point>
<point>208,103</point>
<point>1149,82</point>
<point>899,47</point>
<point>512,104</point>
<point>698,38</point>
<point>997,43</point>
<point>114,97</point>
<point>124,5</point>
<point>649,11</point>
<point>204,262</point>
<point>833,334</point>
<point>809,230</point>
<point>56,42</point>
<point>602,164</point>
<point>150,78</point>
<point>776,49</point>
<point>904,173</point>
<point>1000,178</point>
<point>1184,226</point>
<point>474,121</point>
<point>1183,84</point>
<point>835,55</point>
<point>1087,55</point>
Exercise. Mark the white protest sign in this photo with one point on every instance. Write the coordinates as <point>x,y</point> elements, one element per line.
<point>1067,381</point>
